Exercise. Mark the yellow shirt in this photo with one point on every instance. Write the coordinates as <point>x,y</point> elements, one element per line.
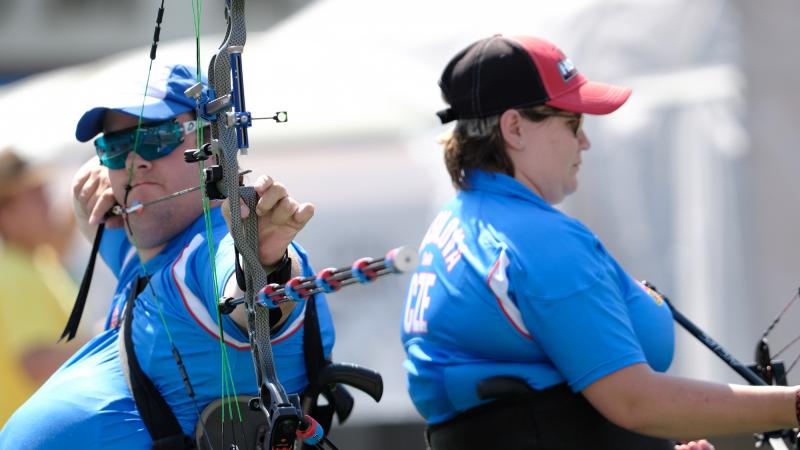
<point>36,294</point>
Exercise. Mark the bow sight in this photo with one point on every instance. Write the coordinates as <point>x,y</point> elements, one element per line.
<point>209,108</point>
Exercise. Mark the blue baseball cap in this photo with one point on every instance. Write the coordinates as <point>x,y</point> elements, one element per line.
<point>164,99</point>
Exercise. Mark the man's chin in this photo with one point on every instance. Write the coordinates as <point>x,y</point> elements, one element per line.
<point>144,241</point>
<point>157,224</point>
<point>148,229</point>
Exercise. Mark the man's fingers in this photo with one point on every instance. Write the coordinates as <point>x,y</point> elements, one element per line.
<point>289,212</point>
<point>304,213</point>
<point>226,212</point>
<point>263,183</point>
<point>704,445</point>
<point>91,192</point>
<point>89,188</point>
<point>85,189</point>
<point>244,210</point>
<point>270,198</point>
<point>283,211</point>
<point>78,183</point>
<point>695,445</point>
<point>99,205</point>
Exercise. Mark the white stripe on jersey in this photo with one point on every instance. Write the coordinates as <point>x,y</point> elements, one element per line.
<point>498,282</point>
<point>193,304</point>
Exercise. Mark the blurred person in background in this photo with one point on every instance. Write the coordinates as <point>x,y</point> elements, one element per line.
<point>35,289</point>
<point>521,330</point>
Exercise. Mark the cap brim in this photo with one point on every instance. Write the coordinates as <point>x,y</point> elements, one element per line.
<point>592,98</point>
<point>91,123</point>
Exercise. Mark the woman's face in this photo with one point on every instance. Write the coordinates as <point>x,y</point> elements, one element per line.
<point>547,155</point>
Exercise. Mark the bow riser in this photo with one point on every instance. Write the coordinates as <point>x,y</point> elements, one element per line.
<point>231,134</point>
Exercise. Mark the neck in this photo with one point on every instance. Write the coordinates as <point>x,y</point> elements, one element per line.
<point>146,254</point>
<point>527,182</point>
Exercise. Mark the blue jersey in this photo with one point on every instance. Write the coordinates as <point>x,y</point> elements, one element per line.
<point>508,285</point>
<point>87,404</point>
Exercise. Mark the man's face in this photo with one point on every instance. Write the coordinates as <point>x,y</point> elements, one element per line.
<point>148,180</point>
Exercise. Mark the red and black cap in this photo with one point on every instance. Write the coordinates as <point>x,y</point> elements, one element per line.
<point>500,73</point>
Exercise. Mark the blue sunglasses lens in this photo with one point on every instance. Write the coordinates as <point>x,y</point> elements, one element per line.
<point>155,141</point>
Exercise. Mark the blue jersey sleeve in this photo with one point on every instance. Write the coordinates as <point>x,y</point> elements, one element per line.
<point>571,299</point>
<point>115,249</point>
<point>200,282</point>
<point>587,335</point>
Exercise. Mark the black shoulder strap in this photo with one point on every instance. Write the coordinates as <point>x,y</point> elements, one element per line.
<point>80,301</point>
<point>312,342</point>
<point>161,423</point>
<point>315,361</point>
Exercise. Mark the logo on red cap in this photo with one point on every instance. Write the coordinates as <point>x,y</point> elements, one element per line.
<point>567,69</point>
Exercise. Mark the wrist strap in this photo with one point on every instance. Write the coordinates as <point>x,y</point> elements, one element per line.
<point>279,275</point>
<point>282,271</point>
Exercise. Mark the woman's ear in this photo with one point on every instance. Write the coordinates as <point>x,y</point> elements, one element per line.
<point>511,129</point>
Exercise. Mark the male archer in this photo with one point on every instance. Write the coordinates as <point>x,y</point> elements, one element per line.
<point>168,288</point>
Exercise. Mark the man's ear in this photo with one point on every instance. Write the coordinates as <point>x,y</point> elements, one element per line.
<point>511,128</point>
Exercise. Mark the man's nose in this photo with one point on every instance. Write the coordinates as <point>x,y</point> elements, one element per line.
<point>136,161</point>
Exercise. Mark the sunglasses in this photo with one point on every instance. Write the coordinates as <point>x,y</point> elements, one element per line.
<point>576,119</point>
<point>155,140</point>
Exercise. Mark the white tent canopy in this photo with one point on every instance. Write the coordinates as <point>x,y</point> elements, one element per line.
<point>341,68</point>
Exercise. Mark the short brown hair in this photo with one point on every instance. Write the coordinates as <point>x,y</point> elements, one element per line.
<point>478,144</point>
